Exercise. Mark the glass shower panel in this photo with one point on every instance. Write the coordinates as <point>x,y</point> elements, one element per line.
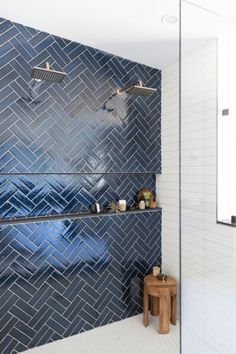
<point>207,247</point>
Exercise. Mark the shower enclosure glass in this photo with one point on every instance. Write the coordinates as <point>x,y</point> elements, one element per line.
<point>208,258</point>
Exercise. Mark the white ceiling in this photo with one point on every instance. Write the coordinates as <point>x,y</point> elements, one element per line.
<point>130,28</point>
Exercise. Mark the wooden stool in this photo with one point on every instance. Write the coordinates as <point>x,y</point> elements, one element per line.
<point>163,301</point>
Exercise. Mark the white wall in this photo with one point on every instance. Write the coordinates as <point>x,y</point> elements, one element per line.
<point>208,249</point>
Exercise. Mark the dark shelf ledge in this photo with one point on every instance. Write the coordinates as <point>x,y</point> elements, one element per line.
<point>32,219</point>
<point>78,173</point>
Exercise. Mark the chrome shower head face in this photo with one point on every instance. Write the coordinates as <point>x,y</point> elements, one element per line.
<point>137,89</point>
<point>141,91</point>
<point>46,74</point>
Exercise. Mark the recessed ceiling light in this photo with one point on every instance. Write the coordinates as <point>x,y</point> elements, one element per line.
<point>169,19</point>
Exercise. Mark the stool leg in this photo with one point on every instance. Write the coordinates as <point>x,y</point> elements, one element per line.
<point>145,305</point>
<point>173,310</point>
<point>154,305</point>
<point>164,311</point>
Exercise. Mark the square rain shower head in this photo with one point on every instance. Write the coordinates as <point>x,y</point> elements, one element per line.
<point>47,74</point>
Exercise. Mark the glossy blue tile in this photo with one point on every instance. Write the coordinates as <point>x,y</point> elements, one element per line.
<point>92,77</point>
<point>5,26</point>
<point>60,52</point>
<point>8,34</point>
<point>59,278</point>
<point>46,42</point>
<point>95,295</point>
<point>78,50</point>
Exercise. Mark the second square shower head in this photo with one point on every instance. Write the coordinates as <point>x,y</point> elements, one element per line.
<point>137,89</point>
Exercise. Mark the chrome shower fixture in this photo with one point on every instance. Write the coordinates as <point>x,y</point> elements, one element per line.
<point>137,88</point>
<point>47,74</point>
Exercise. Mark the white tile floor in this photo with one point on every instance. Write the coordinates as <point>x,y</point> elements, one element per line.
<point>127,337</point>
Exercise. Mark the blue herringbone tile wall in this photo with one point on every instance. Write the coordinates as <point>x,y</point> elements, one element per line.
<point>59,278</point>
<point>77,125</point>
<point>36,195</point>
